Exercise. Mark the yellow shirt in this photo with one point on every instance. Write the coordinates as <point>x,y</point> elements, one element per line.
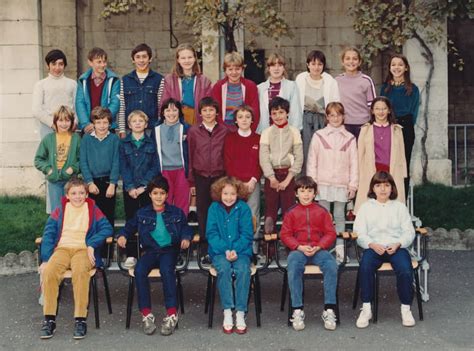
<point>75,225</point>
<point>63,142</point>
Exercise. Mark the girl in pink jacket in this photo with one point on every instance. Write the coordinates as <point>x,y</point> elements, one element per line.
<point>187,84</point>
<point>332,163</point>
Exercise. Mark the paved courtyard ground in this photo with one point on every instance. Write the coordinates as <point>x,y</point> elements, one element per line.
<point>448,324</point>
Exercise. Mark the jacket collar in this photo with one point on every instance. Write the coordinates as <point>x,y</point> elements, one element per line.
<point>88,73</point>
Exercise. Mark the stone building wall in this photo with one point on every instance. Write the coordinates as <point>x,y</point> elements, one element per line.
<point>31,28</point>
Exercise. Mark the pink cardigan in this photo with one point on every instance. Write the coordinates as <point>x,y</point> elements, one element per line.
<point>173,89</point>
<point>332,158</point>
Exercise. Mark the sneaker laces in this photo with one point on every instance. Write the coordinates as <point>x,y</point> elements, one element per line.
<point>170,320</point>
<point>149,317</point>
<point>329,316</point>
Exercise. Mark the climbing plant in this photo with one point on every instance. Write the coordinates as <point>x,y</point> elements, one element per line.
<point>387,25</point>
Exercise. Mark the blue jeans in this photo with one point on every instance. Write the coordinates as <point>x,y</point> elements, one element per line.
<point>56,191</point>
<point>328,265</point>
<point>166,262</point>
<point>401,263</point>
<point>241,269</point>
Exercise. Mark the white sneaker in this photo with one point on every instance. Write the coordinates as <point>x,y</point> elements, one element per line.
<point>240,325</point>
<point>407,316</point>
<point>130,263</point>
<point>329,318</point>
<point>298,320</point>
<point>365,316</point>
<point>148,323</point>
<point>228,323</point>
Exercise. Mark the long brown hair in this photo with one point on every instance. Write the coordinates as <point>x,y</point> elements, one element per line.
<point>406,75</point>
<point>177,70</point>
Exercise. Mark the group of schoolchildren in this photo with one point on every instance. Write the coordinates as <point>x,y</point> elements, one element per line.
<point>178,139</point>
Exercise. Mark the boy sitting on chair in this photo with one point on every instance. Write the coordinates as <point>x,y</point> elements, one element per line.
<point>308,231</point>
<point>72,236</point>
<point>163,230</point>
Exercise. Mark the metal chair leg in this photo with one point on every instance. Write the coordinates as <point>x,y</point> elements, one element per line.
<point>96,301</point>
<point>107,291</point>
<point>211,302</point>
<point>131,283</point>
<point>256,296</point>
<point>418,294</point>
<point>180,292</point>
<point>290,310</point>
<point>376,298</point>
<point>338,316</point>
<point>208,292</point>
<point>284,290</point>
<point>356,292</point>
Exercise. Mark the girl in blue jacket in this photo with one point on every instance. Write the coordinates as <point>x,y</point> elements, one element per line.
<point>230,234</point>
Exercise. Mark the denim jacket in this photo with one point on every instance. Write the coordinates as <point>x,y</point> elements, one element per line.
<point>143,96</point>
<point>138,166</point>
<point>144,222</point>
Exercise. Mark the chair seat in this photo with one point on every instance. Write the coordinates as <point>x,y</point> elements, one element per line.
<point>68,273</point>
<point>312,269</point>
<point>155,273</point>
<point>253,270</point>
<point>388,267</point>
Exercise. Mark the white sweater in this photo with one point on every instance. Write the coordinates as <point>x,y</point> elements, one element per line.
<point>50,93</point>
<point>383,223</point>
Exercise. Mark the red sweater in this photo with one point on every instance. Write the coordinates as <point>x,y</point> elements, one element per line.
<point>307,225</point>
<point>250,93</point>
<point>241,156</point>
<point>206,151</point>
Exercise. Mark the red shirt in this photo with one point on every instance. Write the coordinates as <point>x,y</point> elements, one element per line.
<point>241,156</point>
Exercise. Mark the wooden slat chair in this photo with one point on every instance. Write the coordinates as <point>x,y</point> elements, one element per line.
<point>386,268</point>
<point>93,282</point>
<point>310,272</point>
<point>212,282</point>
<point>155,275</point>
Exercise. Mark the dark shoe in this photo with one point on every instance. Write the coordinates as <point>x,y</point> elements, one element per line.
<point>192,217</point>
<point>47,330</point>
<point>179,261</point>
<point>80,330</point>
<point>206,260</point>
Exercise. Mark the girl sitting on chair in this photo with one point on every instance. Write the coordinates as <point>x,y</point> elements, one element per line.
<point>230,235</point>
<point>385,231</point>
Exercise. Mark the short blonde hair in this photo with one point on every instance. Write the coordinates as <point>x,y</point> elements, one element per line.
<point>64,112</point>
<point>233,58</point>
<point>138,113</point>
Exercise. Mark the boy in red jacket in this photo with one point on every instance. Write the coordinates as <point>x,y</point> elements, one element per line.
<point>308,232</point>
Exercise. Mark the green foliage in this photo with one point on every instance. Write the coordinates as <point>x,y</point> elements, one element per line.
<point>259,17</point>
<point>116,7</point>
<point>21,220</point>
<point>440,206</point>
<point>387,25</point>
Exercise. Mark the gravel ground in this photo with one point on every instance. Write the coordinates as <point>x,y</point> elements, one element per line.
<point>448,324</point>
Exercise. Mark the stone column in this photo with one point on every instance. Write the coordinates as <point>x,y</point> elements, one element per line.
<point>439,165</point>
<point>20,67</point>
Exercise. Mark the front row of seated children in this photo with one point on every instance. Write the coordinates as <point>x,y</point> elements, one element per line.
<point>78,228</point>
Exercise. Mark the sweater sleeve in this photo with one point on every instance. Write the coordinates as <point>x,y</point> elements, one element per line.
<point>115,169</point>
<point>371,94</point>
<point>361,227</point>
<point>121,120</point>
<point>39,110</point>
<point>83,160</point>
<point>312,160</point>
<point>252,99</point>
<point>213,234</point>
<point>353,166</point>
<point>415,103</point>
<point>245,230</point>
<point>297,153</point>
<point>296,115</point>
<point>264,155</point>
<point>42,157</point>
<point>191,148</point>
<point>406,226</point>
<point>287,234</point>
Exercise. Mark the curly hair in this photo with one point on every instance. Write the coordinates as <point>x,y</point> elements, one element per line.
<point>219,184</point>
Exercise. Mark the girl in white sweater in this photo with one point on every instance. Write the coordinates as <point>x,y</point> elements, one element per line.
<point>385,231</point>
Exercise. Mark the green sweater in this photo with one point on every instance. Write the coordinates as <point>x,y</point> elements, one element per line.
<point>45,158</point>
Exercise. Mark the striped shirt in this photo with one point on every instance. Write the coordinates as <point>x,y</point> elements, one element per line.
<point>234,99</point>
